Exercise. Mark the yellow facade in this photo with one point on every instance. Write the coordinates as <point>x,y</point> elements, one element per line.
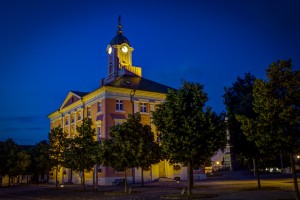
<point>122,92</point>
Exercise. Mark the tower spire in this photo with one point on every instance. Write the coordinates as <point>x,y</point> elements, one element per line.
<point>119,32</point>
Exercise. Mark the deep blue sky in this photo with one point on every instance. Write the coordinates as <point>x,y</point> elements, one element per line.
<point>48,48</point>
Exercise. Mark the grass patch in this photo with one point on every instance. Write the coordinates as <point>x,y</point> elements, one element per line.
<point>193,196</point>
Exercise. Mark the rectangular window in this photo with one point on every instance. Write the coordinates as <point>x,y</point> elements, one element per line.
<point>99,107</point>
<point>72,119</point>
<point>99,134</point>
<point>143,107</point>
<point>67,121</point>
<point>119,104</point>
<point>89,111</point>
<point>79,116</point>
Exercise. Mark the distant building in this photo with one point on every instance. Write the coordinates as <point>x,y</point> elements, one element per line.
<point>122,92</point>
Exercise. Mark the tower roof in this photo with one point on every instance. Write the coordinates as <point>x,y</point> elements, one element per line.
<point>139,83</point>
<point>119,38</point>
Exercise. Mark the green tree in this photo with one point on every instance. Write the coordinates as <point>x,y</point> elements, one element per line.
<point>2,161</point>
<point>57,149</point>
<point>13,161</point>
<point>277,103</point>
<point>11,150</point>
<point>190,131</point>
<point>40,164</point>
<point>120,152</point>
<point>148,149</point>
<point>82,152</point>
<point>238,101</point>
<point>22,163</point>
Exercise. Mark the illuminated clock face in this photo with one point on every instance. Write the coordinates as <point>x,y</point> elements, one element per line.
<point>124,49</point>
<point>109,50</point>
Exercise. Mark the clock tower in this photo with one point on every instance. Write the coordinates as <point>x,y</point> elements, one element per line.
<point>119,52</point>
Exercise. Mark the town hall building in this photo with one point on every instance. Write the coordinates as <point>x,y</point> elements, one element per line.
<point>124,91</point>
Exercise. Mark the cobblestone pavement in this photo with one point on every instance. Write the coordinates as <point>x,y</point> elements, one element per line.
<point>273,188</point>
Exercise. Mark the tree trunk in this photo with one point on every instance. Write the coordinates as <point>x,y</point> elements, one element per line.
<point>295,177</point>
<point>133,175</point>
<point>8,181</point>
<point>142,173</point>
<point>281,162</point>
<point>56,183</point>
<point>95,182</point>
<point>256,172</point>
<point>125,181</point>
<point>233,162</point>
<point>192,176</point>
<point>83,178</point>
<point>189,171</point>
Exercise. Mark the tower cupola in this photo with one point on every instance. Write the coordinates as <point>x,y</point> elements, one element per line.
<point>119,38</point>
<point>119,52</point>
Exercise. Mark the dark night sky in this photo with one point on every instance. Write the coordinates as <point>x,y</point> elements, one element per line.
<point>48,48</point>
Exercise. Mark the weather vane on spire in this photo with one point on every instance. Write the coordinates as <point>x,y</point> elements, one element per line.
<point>119,26</point>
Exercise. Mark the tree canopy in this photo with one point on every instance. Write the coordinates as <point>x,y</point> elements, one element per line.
<point>57,148</point>
<point>277,103</point>
<point>120,152</point>
<point>148,149</point>
<point>238,100</point>
<point>83,150</point>
<point>190,131</point>
<point>40,159</point>
<point>13,160</point>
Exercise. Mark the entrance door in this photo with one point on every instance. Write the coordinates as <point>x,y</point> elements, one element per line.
<point>162,169</point>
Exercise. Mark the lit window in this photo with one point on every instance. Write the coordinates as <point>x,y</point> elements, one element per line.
<point>99,133</point>
<point>89,111</point>
<point>79,116</point>
<point>143,107</point>
<point>99,107</point>
<point>119,104</point>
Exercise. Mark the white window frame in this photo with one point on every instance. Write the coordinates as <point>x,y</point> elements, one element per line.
<point>99,133</point>
<point>72,119</point>
<point>89,112</point>
<point>66,121</point>
<point>119,105</point>
<point>79,116</point>
<point>99,107</point>
<point>143,107</point>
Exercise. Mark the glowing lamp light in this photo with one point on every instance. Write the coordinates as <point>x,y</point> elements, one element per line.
<point>218,162</point>
<point>298,156</point>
